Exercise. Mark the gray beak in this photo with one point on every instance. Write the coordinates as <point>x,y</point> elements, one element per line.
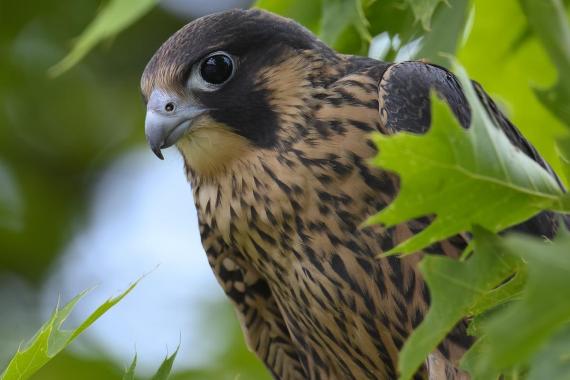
<point>168,118</point>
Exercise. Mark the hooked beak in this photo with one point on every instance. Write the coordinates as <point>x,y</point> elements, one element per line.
<point>167,120</point>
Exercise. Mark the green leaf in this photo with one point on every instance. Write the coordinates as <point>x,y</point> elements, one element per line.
<point>11,217</point>
<point>507,292</point>
<point>51,339</point>
<point>162,373</point>
<point>338,15</point>
<point>342,24</point>
<point>448,27</point>
<point>476,176</point>
<point>471,359</point>
<point>423,10</point>
<point>307,13</point>
<point>130,373</point>
<point>391,17</point>
<point>116,16</point>
<point>456,288</point>
<point>166,366</point>
<point>563,146</point>
<point>549,22</point>
<point>516,333</point>
<point>553,361</point>
<point>506,74</point>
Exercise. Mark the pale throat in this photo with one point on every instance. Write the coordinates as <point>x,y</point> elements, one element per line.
<point>210,148</point>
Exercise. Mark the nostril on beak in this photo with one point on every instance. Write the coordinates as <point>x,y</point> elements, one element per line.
<point>167,119</point>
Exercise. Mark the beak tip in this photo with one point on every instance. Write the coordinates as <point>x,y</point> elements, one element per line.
<point>158,153</point>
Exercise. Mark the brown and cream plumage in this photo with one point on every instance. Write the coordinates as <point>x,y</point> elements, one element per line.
<point>274,129</point>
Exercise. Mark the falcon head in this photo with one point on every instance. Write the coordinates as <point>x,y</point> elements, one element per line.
<point>221,85</point>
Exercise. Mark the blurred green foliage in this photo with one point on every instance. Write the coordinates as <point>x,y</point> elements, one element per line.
<point>57,134</point>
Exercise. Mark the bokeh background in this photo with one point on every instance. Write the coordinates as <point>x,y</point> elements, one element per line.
<point>85,204</point>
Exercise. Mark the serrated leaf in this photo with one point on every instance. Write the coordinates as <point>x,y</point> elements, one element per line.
<point>423,10</point>
<point>116,16</point>
<point>338,15</point>
<point>166,366</point>
<point>464,177</point>
<point>456,288</point>
<point>549,22</point>
<point>516,333</point>
<point>130,373</point>
<point>51,339</point>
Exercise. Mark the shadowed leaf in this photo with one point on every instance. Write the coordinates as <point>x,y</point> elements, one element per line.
<point>553,361</point>
<point>341,14</point>
<point>11,206</point>
<point>423,10</point>
<point>448,27</point>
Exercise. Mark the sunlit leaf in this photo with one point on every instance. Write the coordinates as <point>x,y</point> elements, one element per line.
<point>506,75</point>
<point>520,330</point>
<point>456,288</point>
<point>476,176</point>
<point>52,339</point>
<point>423,10</point>
<point>549,22</point>
<point>116,16</point>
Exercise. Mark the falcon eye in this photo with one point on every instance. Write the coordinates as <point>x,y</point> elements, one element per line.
<point>217,68</point>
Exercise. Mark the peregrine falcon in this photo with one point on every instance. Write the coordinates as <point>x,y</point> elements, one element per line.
<point>274,129</point>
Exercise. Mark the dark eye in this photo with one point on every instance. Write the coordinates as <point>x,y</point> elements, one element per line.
<point>169,107</point>
<point>217,68</point>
